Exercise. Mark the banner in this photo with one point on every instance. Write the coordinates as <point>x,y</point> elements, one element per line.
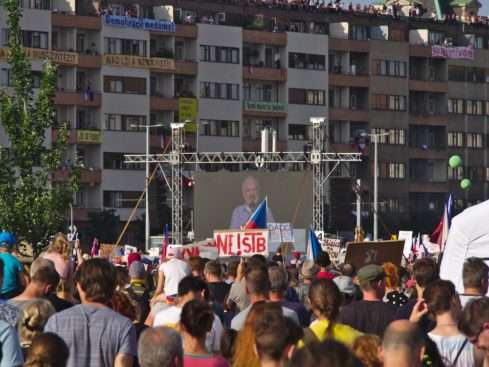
<point>363,253</point>
<point>461,53</point>
<point>407,237</point>
<point>281,232</point>
<point>153,63</point>
<point>57,57</point>
<point>154,25</point>
<point>332,246</point>
<point>205,249</point>
<point>241,242</point>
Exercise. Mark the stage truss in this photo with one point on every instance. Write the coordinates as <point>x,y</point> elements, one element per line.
<point>177,159</point>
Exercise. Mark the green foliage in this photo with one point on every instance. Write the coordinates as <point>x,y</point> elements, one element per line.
<point>104,225</point>
<point>30,205</point>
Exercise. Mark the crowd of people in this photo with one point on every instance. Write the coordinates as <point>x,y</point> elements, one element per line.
<point>79,311</point>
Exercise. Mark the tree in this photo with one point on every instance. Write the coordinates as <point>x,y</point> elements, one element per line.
<point>104,225</point>
<point>31,206</point>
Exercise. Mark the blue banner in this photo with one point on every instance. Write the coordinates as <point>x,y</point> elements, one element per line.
<point>140,23</point>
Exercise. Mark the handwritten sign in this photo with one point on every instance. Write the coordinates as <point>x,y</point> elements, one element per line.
<point>332,246</point>
<point>241,243</point>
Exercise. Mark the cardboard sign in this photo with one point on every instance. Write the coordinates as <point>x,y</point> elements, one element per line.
<point>106,250</point>
<point>363,253</point>
<point>281,232</point>
<point>332,246</point>
<point>407,236</point>
<point>241,243</point>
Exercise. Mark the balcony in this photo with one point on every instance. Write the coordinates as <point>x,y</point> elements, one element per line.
<point>89,61</point>
<point>66,98</point>
<point>155,64</point>
<point>268,74</point>
<point>186,31</point>
<point>427,186</point>
<point>428,86</point>
<point>429,153</point>
<point>349,80</point>
<point>419,51</point>
<point>254,145</point>
<point>266,38</point>
<point>163,104</point>
<point>76,21</point>
<point>88,176</point>
<point>345,114</point>
<point>338,44</point>
<point>57,57</point>
<point>186,68</point>
<point>268,109</point>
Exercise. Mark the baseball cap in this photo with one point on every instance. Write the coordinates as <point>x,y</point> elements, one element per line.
<point>309,269</point>
<point>345,284</point>
<point>7,239</point>
<point>132,257</point>
<point>370,273</point>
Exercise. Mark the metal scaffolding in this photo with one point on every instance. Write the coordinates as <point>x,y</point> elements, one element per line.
<point>316,157</point>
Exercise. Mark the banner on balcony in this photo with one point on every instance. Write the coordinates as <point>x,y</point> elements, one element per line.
<point>88,137</point>
<point>187,111</point>
<point>462,53</point>
<point>146,24</point>
<point>140,62</point>
<point>57,57</point>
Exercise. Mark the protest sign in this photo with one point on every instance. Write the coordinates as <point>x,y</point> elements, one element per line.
<point>281,232</point>
<point>332,246</point>
<point>106,250</point>
<point>205,249</point>
<point>407,237</point>
<point>363,253</point>
<point>241,243</point>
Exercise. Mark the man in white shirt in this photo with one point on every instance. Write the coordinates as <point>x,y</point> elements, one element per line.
<point>170,273</point>
<point>258,289</point>
<point>190,288</point>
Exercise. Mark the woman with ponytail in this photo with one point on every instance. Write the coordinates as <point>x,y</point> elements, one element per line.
<point>32,320</point>
<point>326,299</point>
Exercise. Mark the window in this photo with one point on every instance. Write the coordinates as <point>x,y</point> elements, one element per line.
<point>474,140</point>
<point>121,199</point>
<point>392,205</point>
<point>38,4</point>
<point>359,32</point>
<point>455,106</point>
<point>455,139</point>
<point>120,46</point>
<point>395,136</point>
<point>35,39</point>
<point>215,90</point>
<point>386,102</point>
<point>307,61</point>
<point>392,170</point>
<point>390,68</point>
<point>221,128</point>
<point>116,84</point>
<point>297,132</point>
<point>436,38</point>
<point>456,173</point>
<point>117,161</point>
<point>228,55</point>
<point>116,122</point>
<point>5,77</point>
<point>456,73</point>
<point>307,96</point>
<point>473,107</point>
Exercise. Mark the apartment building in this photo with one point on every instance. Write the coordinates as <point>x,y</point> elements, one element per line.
<point>236,69</point>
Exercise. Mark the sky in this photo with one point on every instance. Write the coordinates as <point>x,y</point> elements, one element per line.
<point>484,10</point>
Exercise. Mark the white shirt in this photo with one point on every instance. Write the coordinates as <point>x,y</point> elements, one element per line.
<point>171,317</point>
<point>238,321</point>
<point>174,270</point>
<point>449,346</point>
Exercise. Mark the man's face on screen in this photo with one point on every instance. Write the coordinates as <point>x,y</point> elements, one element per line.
<point>250,192</point>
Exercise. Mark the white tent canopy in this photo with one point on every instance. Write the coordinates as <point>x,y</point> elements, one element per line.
<point>468,237</point>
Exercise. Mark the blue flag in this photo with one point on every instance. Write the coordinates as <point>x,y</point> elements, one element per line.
<point>314,245</point>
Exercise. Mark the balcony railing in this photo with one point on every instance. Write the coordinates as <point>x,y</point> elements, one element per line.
<point>270,107</point>
<point>151,63</point>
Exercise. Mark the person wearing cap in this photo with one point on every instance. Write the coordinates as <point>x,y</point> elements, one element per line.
<point>370,315</point>
<point>137,291</point>
<point>308,274</point>
<point>14,277</point>
<point>346,287</point>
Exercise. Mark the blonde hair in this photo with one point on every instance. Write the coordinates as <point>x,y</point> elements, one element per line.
<point>32,320</point>
<point>366,349</point>
<point>391,275</point>
<point>60,245</point>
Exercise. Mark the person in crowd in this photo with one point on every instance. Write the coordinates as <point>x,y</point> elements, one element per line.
<point>8,312</point>
<point>32,320</point>
<point>190,288</point>
<point>137,291</point>
<point>474,324</point>
<point>160,347</point>
<point>10,351</point>
<point>329,353</point>
<point>475,274</point>
<point>258,289</point>
<point>425,271</point>
<point>228,343</point>
<point>325,299</point>
<point>95,334</point>
<point>323,262</point>
<point>14,276</point>
<point>47,349</point>
<point>403,345</point>
<point>278,287</point>
<point>170,273</point>
<point>275,337</point>
<point>347,288</point>
<point>121,278</point>
<point>393,295</point>
<point>369,315</point>
<point>121,304</point>
<point>244,354</point>
<point>367,349</point>
<point>232,272</point>
<point>195,322</point>
<point>44,280</point>
<point>218,289</point>
<point>132,257</point>
<point>197,265</point>
<point>308,273</point>
<point>443,304</point>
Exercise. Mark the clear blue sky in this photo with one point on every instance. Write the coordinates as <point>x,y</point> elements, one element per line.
<point>484,10</point>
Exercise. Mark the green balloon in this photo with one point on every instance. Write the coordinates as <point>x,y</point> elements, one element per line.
<point>465,184</point>
<point>455,161</point>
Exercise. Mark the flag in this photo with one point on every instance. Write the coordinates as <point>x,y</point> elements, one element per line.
<point>164,245</point>
<point>258,219</point>
<point>415,246</point>
<point>314,248</point>
<point>440,234</point>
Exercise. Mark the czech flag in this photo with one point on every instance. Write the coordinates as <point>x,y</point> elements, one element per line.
<point>258,219</point>
<point>314,249</point>
<point>164,245</point>
<point>440,234</point>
